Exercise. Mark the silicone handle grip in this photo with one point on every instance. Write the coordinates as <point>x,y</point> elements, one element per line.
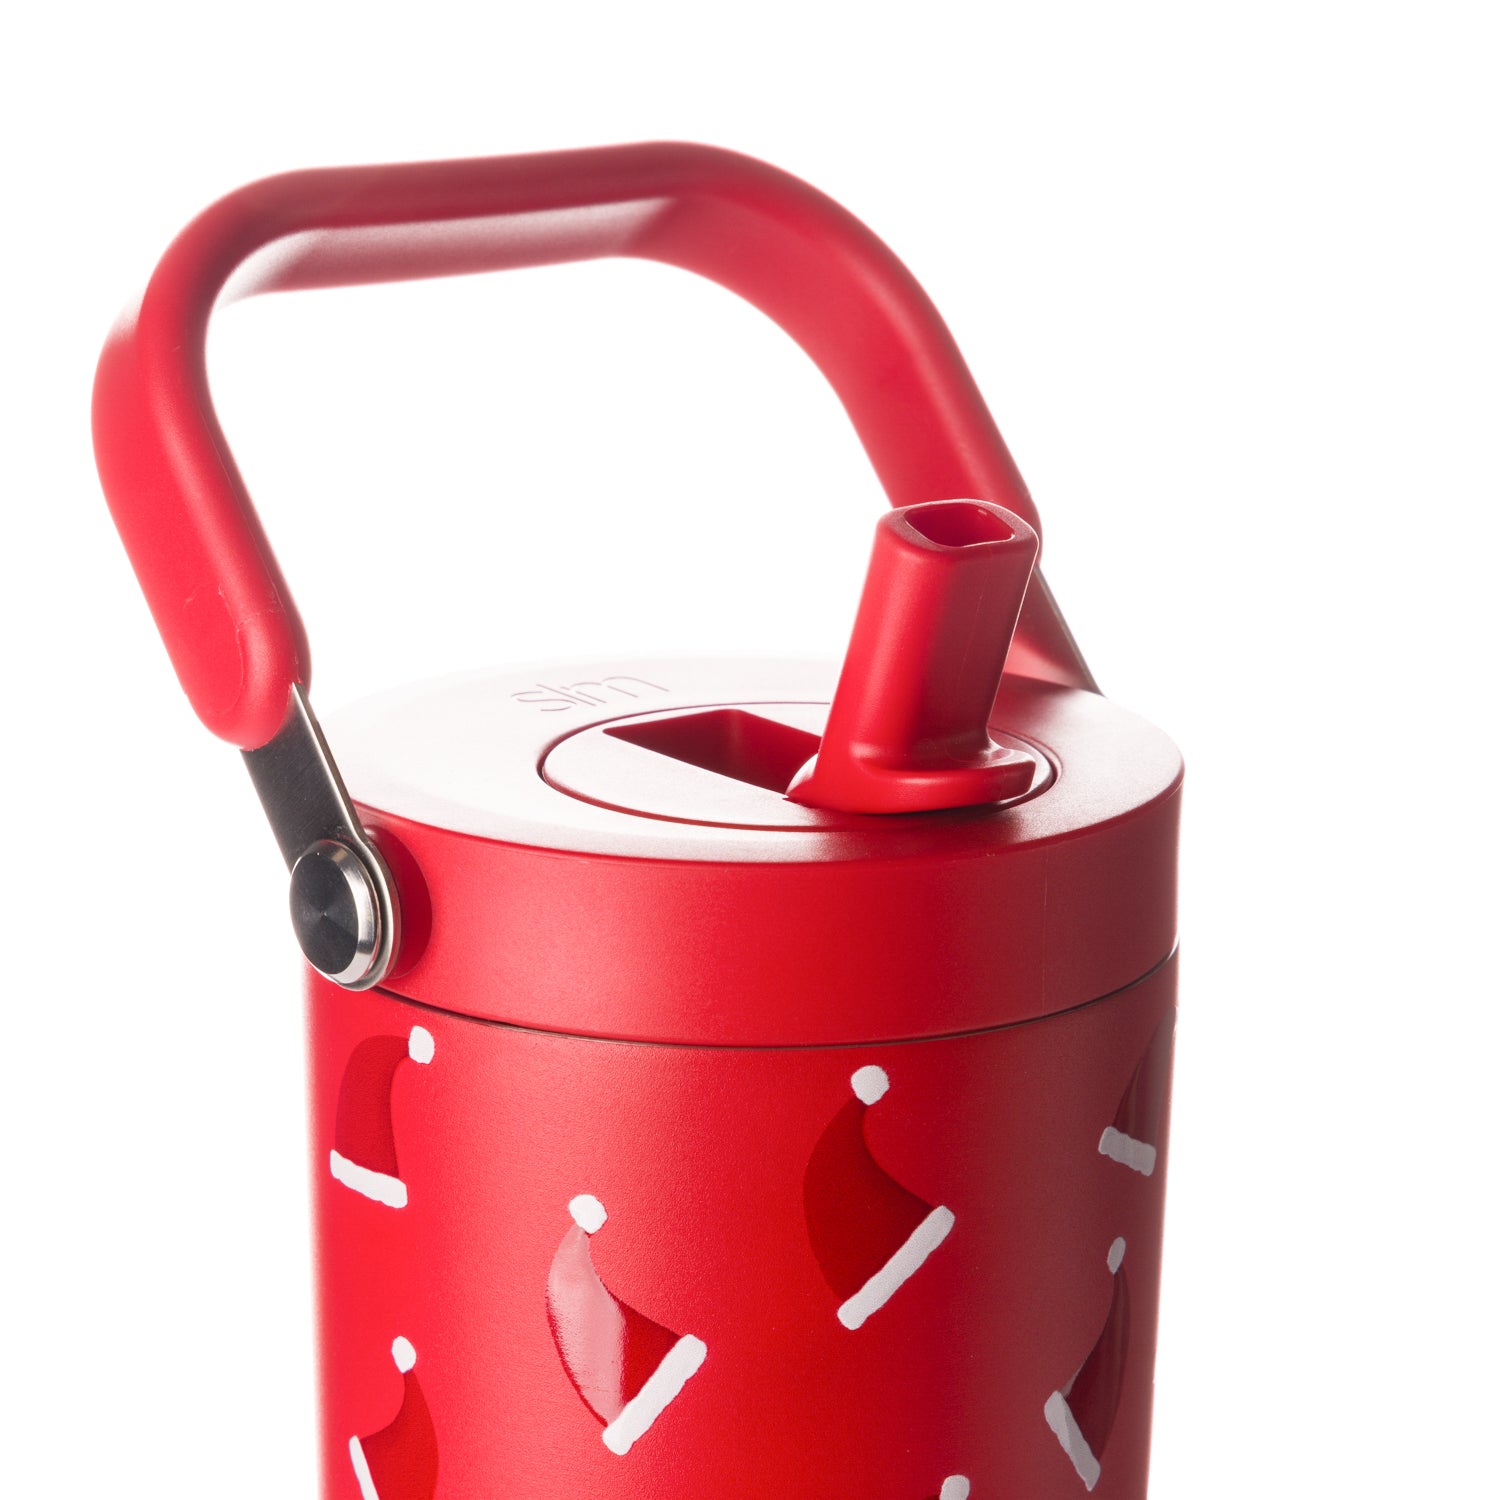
<point>208,573</point>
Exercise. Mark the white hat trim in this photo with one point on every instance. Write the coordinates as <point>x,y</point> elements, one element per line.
<point>362,1471</point>
<point>1128,1151</point>
<point>899,1269</point>
<point>380,1186</point>
<point>667,1379</point>
<point>1070,1435</point>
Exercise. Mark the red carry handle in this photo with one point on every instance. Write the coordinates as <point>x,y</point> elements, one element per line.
<point>213,584</point>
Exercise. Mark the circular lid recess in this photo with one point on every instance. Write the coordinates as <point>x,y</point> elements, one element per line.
<point>604,847</point>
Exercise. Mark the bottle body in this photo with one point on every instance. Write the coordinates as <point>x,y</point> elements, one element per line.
<point>621,1268</point>
<point>711,1144</point>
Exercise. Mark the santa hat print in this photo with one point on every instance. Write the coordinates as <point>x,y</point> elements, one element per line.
<point>399,1462</point>
<point>627,1368</point>
<point>869,1234</point>
<point>1082,1413</point>
<point>1132,1139</point>
<point>364,1140</point>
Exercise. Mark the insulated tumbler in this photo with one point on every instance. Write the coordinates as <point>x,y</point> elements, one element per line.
<point>728,1078</point>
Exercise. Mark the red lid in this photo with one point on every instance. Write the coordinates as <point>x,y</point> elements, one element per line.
<point>604,851</point>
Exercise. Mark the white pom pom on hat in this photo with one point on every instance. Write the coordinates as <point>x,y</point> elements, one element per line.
<point>404,1355</point>
<point>870,1083</point>
<point>588,1213</point>
<point>420,1046</point>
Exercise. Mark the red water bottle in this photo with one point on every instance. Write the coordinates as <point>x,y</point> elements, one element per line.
<point>733,1079</point>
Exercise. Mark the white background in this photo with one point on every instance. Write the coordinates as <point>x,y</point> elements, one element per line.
<point>1227,277</point>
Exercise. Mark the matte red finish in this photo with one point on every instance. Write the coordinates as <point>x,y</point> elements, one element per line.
<point>734,1220</point>
<point>701,1141</point>
<point>909,727</point>
<point>219,599</point>
<point>556,912</point>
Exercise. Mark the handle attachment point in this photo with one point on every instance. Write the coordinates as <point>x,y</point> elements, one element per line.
<point>343,903</point>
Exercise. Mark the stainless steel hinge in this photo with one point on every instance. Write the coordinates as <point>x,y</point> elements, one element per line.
<point>344,907</point>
